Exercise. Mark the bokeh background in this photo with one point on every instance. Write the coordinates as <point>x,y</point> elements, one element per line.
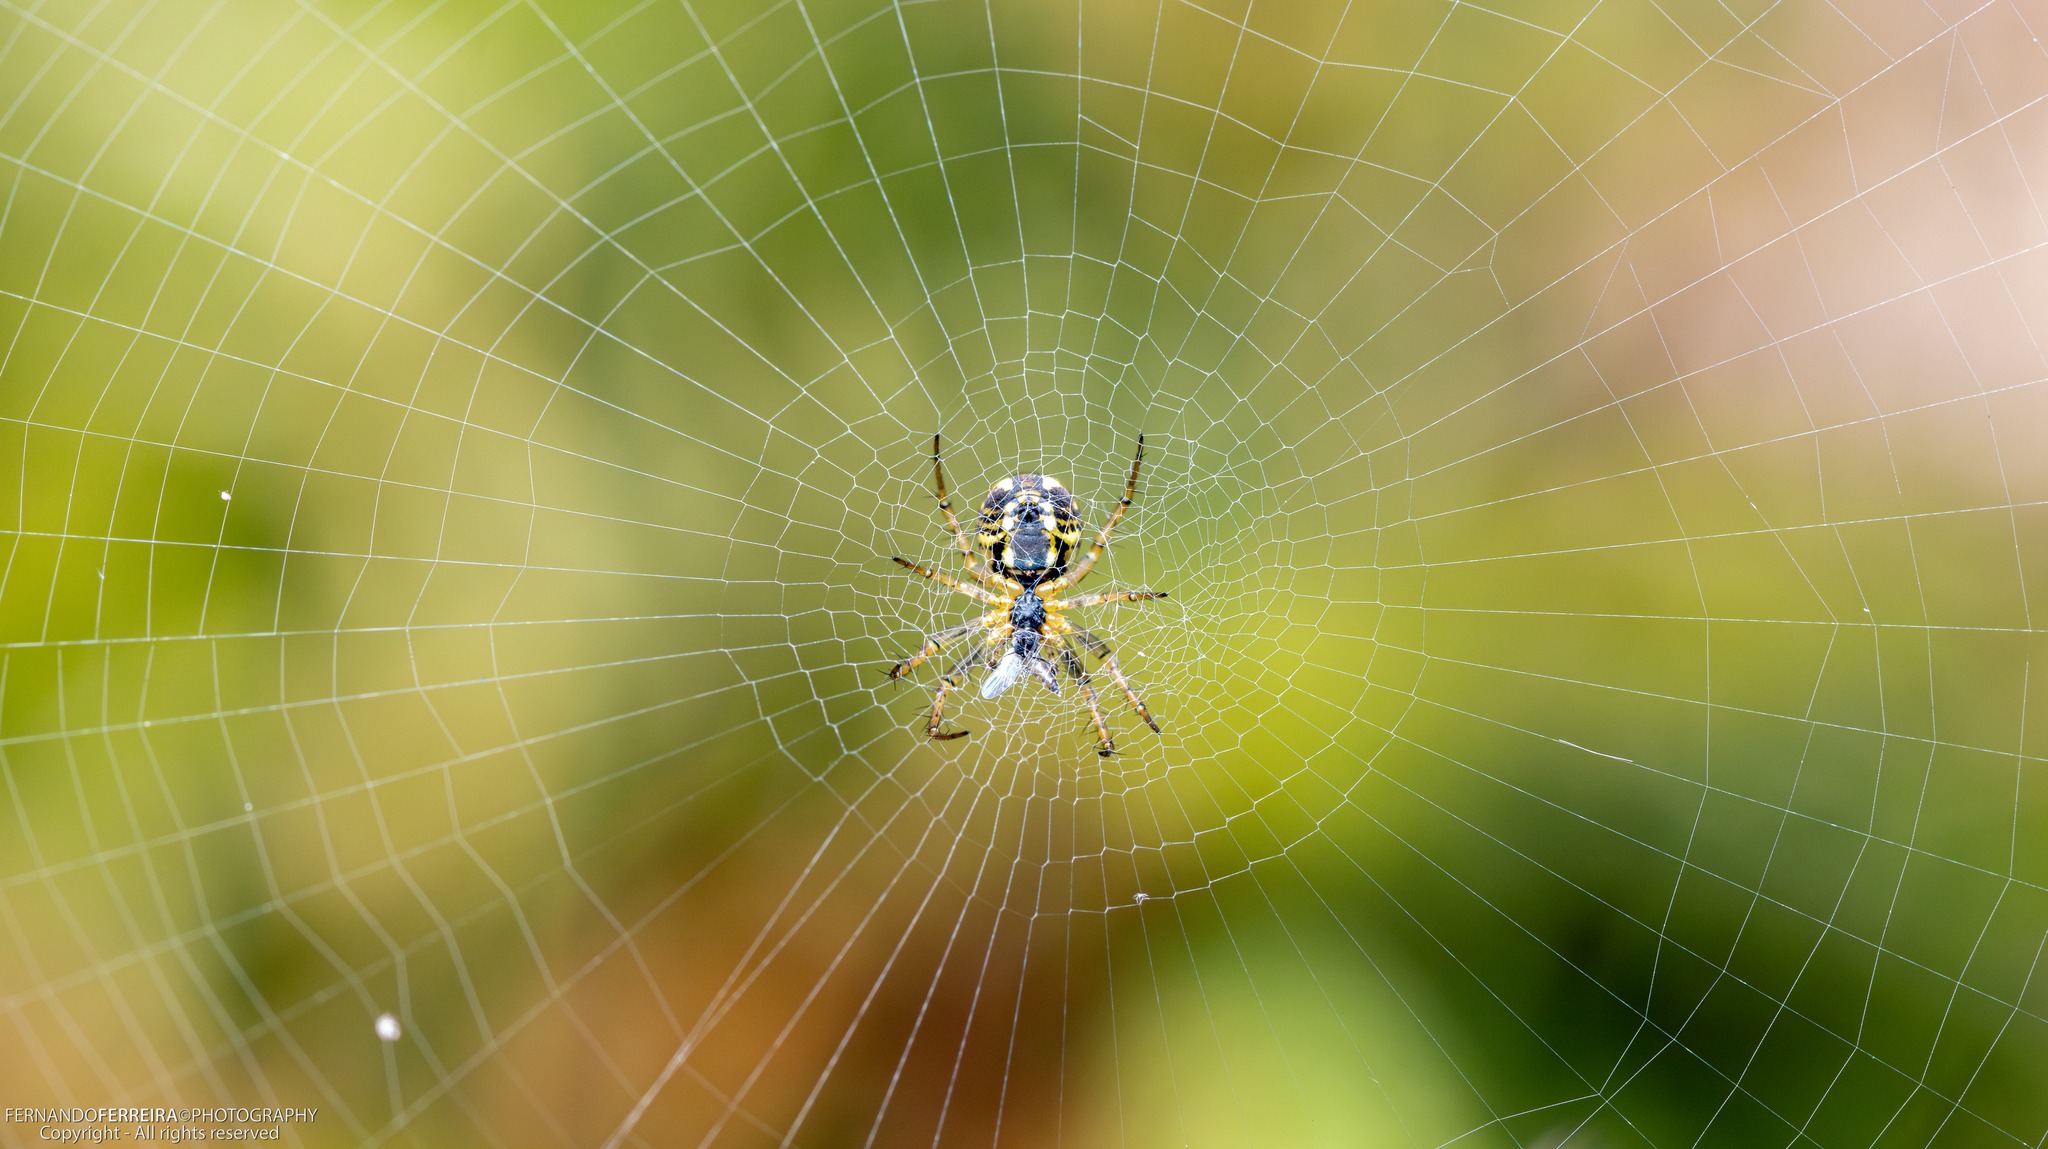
<point>1598,449</point>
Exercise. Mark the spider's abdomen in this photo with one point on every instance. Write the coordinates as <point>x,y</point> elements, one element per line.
<point>1028,528</point>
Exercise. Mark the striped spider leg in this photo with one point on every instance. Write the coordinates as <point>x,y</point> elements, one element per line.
<point>968,558</point>
<point>1064,629</point>
<point>1074,577</point>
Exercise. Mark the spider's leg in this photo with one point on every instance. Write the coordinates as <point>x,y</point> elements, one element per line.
<point>1100,597</point>
<point>1102,538</point>
<point>973,592</point>
<point>967,556</point>
<point>1104,746</point>
<point>953,678</point>
<point>1100,649</point>
<point>932,645</point>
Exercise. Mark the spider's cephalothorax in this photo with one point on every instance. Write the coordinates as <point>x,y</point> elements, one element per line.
<point>1027,643</point>
<point>1027,534</point>
<point>1028,529</point>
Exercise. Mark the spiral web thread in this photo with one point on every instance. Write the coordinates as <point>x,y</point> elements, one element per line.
<point>1594,449</point>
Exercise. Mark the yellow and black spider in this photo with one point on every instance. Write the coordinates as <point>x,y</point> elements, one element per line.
<point>1027,534</point>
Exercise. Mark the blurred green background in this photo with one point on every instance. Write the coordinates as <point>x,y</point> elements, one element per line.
<point>1595,448</point>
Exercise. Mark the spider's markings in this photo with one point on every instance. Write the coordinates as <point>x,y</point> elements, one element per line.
<point>1027,532</point>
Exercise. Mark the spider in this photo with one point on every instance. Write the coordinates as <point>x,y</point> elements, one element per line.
<point>1027,534</point>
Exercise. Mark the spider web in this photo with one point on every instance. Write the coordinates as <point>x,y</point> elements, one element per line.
<point>1594,448</point>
